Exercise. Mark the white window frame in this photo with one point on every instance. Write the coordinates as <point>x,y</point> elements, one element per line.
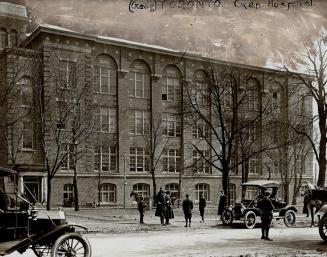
<point>67,72</point>
<point>200,129</point>
<point>171,89</point>
<point>200,165</point>
<point>139,160</point>
<point>171,160</point>
<point>108,193</point>
<point>106,120</point>
<point>27,133</point>
<point>253,166</point>
<point>172,125</point>
<point>101,87</point>
<point>139,122</point>
<point>204,189</point>
<point>69,191</point>
<point>142,189</point>
<point>67,162</point>
<point>105,156</point>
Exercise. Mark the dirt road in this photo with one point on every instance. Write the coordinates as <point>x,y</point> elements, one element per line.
<point>210,242</point>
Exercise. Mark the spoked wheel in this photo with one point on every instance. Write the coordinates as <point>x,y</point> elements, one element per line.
<point>289,218</point>
<point>250,219</point>
<point>227,217</point>
<point>42,250</point>
<point>323,228</point>
<point>71,245</point>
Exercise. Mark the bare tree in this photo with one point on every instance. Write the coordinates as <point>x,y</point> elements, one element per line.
<point>313,60</point>
<point>229,107</point>
<point>64,112</point>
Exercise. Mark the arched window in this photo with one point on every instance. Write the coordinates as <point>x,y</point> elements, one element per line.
<point>108,193</point>
<point>232,193</point>
<point>68,192</point>
<point>139,80</point>
<point>142,189</point>
<point>253,95</point>
<point>174,190</point>
<point>12,38</point>
<point>171,88</point>
<point>3,38</point>
<point>105,74</point>
<point>200,89</point>
<point>227,90</point>
<point>203,189</point>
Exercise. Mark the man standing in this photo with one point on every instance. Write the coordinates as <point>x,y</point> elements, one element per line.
<point>202,205</point>
<point>141,207</point>
<point>161,206</point>
<point>187,209</point>
<point>266,206</point>
<point>170,212</point>
<point>222,202</point>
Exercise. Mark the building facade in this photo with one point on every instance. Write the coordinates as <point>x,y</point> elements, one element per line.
<point>118,105</point>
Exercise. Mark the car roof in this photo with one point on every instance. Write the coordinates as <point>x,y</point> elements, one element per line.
<point>6,172</point>
<point>262,183</point>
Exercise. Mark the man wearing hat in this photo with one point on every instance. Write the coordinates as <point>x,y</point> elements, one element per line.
<point>266,206</point>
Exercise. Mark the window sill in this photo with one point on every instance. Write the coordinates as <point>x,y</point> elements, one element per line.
<point>100,93</point>
<point>27,150</point>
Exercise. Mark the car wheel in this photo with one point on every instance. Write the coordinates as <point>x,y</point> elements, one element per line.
<point>323,228</point>
<point>227,217</point>
<point>289,218</point>
<point>71,244</point>
<point>250,219</point>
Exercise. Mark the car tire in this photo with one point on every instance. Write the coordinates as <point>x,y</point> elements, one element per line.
<point>227,217</point>
<point>323,228</point>
<point>250,219</point>
<point>68,245</point>
<point>289,218</point>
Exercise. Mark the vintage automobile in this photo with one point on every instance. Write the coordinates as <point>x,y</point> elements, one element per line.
<point>45,232</point>
<point>247,210</point>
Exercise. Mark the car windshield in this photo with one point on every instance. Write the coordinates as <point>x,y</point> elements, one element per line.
<point>251,192</point>
<point>16,202</point>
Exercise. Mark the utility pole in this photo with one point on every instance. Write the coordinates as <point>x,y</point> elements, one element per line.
<point>125,182</point>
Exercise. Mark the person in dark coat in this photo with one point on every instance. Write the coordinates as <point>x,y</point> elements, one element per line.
<point>169,212</point>
<point>202,205</point>
<point>141,206</point>
<point>266,207</point>
<point>161,206</point>
<point>306,201</point>
<point>222,202</point>
<point>187,209</point>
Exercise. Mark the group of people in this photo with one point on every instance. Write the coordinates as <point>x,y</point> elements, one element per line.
<point>165,211</point>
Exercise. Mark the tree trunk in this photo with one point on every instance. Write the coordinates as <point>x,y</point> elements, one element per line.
<point>322,144</point>
<point>154,183</point>
<point>49,193</point>
<point>225,181</point>
<point>76,201</point>
<point>286,193</point>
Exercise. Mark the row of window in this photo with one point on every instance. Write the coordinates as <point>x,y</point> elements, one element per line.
<point>108,191</point>
<point>8,38</point>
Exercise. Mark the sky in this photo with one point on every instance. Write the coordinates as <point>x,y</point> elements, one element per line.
<point>229,30</point>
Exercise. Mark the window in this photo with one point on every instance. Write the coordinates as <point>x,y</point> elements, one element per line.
<point>27,134</point>
<point>68,191</point>
<point>275,102</point>
<point>174,190</point>
<point>171,160</point>
<point>171,125</point>
<point>253,166</point>
<point>139,159</point>
<point>12,38</point>
<point>139,122</point>
<point>139,80</point>
<point>105,73</point>
<point>275,167</point>
<point>68,156</point>
<point>252,132</point>
<point>108,193</point>
<point>250,193</point>
<point>232,193</point>
<point>253,95</point>
<point>203,189</point>
<point>26,92</point>
<point>171,84</point>
<point>106,120</point>
<point>67,72</point>
<point>200,129</point>
<point>3,38</point>
<point>200,165</point>
<point>142,189</point>
<point>105,158</point>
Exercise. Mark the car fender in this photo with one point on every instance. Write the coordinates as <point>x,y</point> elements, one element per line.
<point>323,210</point>
<point>285,209</point>
<point>255,210</point>
<point>57,232</point>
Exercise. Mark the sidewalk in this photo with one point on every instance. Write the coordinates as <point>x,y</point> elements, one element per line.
<point>118,220</point>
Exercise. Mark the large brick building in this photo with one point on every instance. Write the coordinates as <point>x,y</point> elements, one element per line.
<point>126,87</point>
